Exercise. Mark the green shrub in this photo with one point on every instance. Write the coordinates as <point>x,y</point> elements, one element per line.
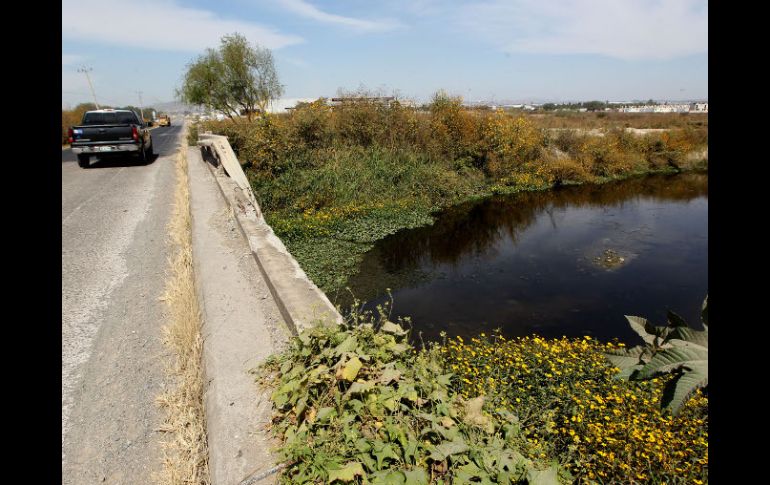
<point>359,404</point>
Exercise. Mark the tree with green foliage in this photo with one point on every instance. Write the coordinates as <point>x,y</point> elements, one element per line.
<point>236,78</point>
<point>594,105</point>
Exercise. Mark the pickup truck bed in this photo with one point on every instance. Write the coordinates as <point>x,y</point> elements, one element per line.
<point>106,132</point>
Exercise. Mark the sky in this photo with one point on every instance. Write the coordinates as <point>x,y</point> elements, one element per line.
<point>490,51</point>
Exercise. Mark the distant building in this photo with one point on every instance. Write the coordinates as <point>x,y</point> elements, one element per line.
<point>386,100</point>
<point>667,108</point>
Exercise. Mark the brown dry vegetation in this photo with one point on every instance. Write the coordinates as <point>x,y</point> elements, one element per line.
<point>502,147</point>
<point>612,119</point>
<point>185,454</point>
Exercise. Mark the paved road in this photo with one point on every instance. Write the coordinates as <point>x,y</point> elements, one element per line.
<point>114,256</point>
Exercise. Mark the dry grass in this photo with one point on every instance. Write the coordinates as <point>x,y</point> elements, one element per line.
<point>185,453</point>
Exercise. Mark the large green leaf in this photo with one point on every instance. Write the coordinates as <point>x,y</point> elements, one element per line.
<point>679,390</point>
<point>393,329</point>
<point>387,477</point>
<point>690,360</point>
<point>385,451</point>
<point>549,476</point>
<point>397,348</point>
<point>639,325</point>
<point>417,476</point>
<point>348,473</point>
<point>325,414</point>
<point>447,448</point>
<point>625,358</point>
<point>359,388</point>
<point>470,473</point>
<point>389,375</point>
<point>699,337</point>
<point>684,351</point>
<point>628,361</point>
<point>349,371</point>
<point>687,355</point>
<point>347,345</point>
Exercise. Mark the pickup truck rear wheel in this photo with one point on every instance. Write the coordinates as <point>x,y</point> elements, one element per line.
<point>83,160</point>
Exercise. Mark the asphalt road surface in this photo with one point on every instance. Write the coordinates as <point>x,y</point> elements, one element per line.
<point>114,257</point>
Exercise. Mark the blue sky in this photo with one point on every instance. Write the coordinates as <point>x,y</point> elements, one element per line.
<point>518,50</point>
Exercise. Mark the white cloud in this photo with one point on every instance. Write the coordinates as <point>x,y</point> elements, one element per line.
<point>159,24</point>
<point>305,9</point>
<point>629,30</point>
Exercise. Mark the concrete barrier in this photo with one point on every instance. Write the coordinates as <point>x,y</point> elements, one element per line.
<point>301,302</point>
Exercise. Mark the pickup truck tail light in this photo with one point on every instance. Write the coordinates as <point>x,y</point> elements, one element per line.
<point>135,133</point>
<point>70,136</point>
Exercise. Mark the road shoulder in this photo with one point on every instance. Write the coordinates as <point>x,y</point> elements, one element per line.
<point>242,326</point>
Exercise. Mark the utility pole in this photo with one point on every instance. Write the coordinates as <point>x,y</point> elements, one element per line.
<point>86,70</point>
<point>141,108</point>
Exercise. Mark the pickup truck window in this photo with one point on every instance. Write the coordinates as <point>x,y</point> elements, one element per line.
<point>117,118</point>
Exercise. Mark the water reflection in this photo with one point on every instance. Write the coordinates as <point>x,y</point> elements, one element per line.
<point>532,262</point>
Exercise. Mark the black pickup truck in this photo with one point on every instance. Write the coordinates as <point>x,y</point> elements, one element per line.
<point>108,132</point>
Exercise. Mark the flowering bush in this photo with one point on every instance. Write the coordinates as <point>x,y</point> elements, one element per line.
<point>565,393</point>
<point>509,142</point>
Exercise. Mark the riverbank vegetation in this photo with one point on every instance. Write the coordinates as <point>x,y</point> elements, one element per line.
<point>333,180</point>
<point>359,404</point>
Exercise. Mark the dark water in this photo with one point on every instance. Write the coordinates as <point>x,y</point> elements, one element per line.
<point>527,263</point>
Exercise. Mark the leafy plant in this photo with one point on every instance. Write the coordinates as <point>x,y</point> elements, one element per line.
<point>676,349</point>
<point>358,404</point>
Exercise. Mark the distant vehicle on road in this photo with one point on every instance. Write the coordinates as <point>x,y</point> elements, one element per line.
<point>164,120</point>
<point>110,132</point>
<point>150,117</point>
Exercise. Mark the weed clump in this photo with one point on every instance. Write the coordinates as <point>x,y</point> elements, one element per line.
<point>357,403</point>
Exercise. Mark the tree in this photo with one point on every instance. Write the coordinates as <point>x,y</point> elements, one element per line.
<point>594,105</point>
<point>238,77</point>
